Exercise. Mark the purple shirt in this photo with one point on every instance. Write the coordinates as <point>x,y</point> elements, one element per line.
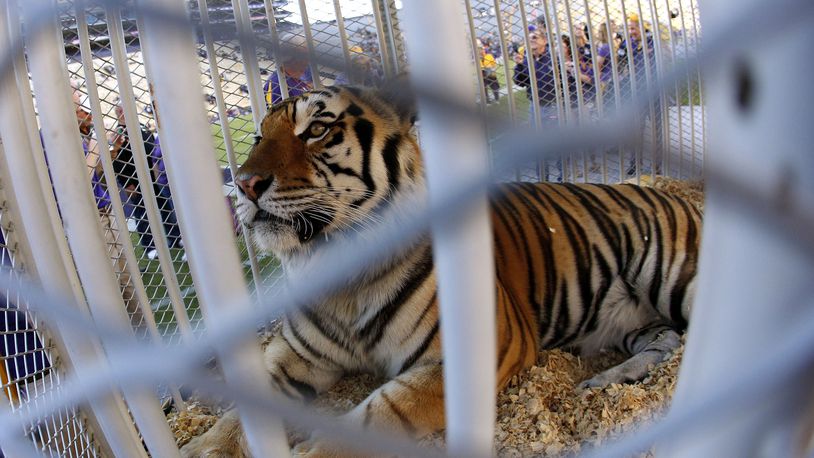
<point>606,73</point>
<point>158,160</point>
<point>296,86</point>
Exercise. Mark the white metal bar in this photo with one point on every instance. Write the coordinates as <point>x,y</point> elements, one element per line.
<point>79,211</point>
<point>648,82</point>
<point>597,84</point>
<point>110,175</point>
<point>660,67</point>
<point>251,69</point>
<point>617,91</point>
<point>145,179</point>
<point>275,39</point>
<point>343,37</point>
<point>697,39</point>
<point>678,100</point>
<point>462,246</point>
<point>388,17</point>
<point>204,223</point>
<point>507,71</point>
<point>226,130</point>
<point>633,96</point>
<point>107,414</point>
<point>32,129</point>
<point>532,67</point>
<point>175,294</point>
<point>309,41</point>
<point>383,49</point>
<point>476,54</point>
<point>754,280</point>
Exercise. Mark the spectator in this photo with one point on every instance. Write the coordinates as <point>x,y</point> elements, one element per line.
<point>488,66</point>
<point>576,70</point>
<point>363,71</point>
<point>604,48</point>
<point>298,78</point>
<point>540,59</point>
<point>585,59</point>
<point>125,168</point>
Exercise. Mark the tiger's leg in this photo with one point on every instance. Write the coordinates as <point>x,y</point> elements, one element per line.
<point>292,372</point>
<point>649,346</point>
<point>411,404</point>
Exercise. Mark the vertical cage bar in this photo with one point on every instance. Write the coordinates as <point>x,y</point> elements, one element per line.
<point>206,225</point>
<point>80,213</point>
<point>275,40</point>
<point>476,55</point>
<point>309,40</point>
<point>343,36</point>
<point>678,106</point>
<point>384,49</point>
<point>108,413</point>
<point>756,280</point>
<point>156,226</point>
<point>251,69</point>
<point>462,247</point>
<point>226,131</point>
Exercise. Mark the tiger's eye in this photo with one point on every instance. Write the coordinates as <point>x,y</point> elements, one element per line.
<point>316,129</point>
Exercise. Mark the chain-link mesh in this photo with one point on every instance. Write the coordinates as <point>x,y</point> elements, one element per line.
<point>30,368</point>
<point>539,63</point>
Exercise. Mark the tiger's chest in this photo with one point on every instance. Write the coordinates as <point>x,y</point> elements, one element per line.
<point>380,325</point>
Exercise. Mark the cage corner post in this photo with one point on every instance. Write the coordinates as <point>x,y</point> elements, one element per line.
<point>462,245</point>
<point>754,277</point>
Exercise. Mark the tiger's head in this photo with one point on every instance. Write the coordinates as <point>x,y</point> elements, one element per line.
<point>327,162</point>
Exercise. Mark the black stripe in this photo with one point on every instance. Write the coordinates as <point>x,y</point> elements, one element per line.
<point>354,110</point>
<point>390,154</point>
<point>364,134</point>
<point>307,391</point>
<point>338,138</point>
<point>408,363</point>
<point>405,422</point>
<point>329,333</point>
<point>372,331</point>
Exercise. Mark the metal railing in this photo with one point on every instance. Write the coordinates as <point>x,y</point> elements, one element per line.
<point>121,50</point>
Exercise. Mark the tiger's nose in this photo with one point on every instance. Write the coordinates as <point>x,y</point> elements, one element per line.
<point>252,185</point>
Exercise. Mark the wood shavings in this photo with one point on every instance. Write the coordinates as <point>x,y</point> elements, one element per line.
<point>194,420</point>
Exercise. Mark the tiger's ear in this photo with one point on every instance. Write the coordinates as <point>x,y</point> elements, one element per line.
<point>398,92</point>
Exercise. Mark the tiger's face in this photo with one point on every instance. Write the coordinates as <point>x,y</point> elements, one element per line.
<point>326,162</point>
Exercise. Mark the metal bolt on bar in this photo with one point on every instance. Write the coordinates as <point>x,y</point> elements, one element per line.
<point>462,247</point>
<point>205,224</point>
<point>79,210</point>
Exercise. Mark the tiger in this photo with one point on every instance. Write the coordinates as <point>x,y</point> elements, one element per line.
<point>578,266</point>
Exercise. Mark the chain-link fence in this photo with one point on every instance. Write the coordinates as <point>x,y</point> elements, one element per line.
<point>588,60</point>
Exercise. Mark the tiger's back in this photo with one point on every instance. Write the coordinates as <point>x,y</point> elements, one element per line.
<point>586,265</point>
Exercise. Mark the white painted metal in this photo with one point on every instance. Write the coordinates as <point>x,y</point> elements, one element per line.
<point>309,41</point>
<point>204,223</point>
<point>462,246</point>
<point>79,211</point>
<point>251,69</point>
<point>753,279</point>
<point>223,121</point>
<point>143,173</point>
